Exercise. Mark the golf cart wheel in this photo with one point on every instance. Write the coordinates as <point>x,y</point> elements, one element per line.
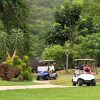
<point>93,82</point>
<point>38,78</point>
<point>80,82</point>
<point>88,84</point>
<point>74,84</point>
<point>46,77</point>
<point>54,78</point>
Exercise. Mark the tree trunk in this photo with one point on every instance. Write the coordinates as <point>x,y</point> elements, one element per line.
<point>67,58</point>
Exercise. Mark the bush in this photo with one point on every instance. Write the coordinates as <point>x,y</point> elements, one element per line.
<point>20,64</point>
<point>25,59</point>
<point>27,76</point>
<point>16,61</point>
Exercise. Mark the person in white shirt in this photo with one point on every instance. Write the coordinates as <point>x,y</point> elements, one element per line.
<point>51,69</point>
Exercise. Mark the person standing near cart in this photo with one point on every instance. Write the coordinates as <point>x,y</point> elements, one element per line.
<point>51,69</point>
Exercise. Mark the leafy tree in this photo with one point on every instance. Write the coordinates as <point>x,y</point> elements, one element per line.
<point>16,41</point>
<point>66,19</point>
<point>48,3</point>
<point>91,8</point>
<point>12,44</point>
<point>88,46</point>
<point>3,44</point>
<point>86,26</point>
<point>56,53</point>
<point>37,45</point>
<point>13,14</point>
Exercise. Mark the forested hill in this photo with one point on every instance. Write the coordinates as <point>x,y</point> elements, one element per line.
<point>42,9</point>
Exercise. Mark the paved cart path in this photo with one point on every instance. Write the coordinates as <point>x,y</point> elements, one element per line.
<point>42,84</point>
<point>32,87</point>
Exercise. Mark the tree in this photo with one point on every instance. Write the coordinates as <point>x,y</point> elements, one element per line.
<point>37,45</point>
<point>56,53</point>
<point>3,44</point>
<point>16,41</point>
<point>12,44</point>
<point>88,46</point>
<point>66,19</point>
<point>68,49</point>
<point>13,14</point>
<point>86,26</point>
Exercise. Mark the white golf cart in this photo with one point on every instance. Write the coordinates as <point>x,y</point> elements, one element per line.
<point>80,77</point>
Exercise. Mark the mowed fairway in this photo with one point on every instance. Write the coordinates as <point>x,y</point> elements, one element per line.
<point>77,93</point>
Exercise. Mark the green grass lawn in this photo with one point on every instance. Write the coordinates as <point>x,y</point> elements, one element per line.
<point>11,83</point>
<point>76,93</point>
<point>63,79</point>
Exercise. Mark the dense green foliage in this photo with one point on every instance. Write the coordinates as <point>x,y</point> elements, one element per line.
<point>12,42</point>
<point>88,46</point>
<point>55,52</point>
<point>13,22</point>
<point>66,19</point>
<point>11,13</point>
<point>70,23</point>
<point>26,24</point>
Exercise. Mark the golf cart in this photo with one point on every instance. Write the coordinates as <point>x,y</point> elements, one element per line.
<point>43,71</point>
<point>83,74</point>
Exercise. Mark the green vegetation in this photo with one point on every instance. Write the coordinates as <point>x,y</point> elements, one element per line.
<point>90,44</point>
<point>22,64</point>
<point>66,19</point>
<point>12,83</point>
<point>54,52</point>
<point>11,13</point>
<point>29,27</point>
<point>81,93</point>
<point>71,27</point>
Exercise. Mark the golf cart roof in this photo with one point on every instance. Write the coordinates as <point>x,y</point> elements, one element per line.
<point>47,60</point>
<point>84,59</point>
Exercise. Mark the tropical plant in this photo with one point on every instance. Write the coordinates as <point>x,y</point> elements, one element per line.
<point>22,65</point>
<point>12,43</point>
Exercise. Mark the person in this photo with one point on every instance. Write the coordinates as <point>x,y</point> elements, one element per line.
<point>77,70</point>
<point>51,68</point>
<point>87,69</point>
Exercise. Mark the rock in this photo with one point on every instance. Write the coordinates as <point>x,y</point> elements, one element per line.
<point>7,72</point>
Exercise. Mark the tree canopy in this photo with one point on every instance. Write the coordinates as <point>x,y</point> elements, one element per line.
<point>13,14</point>
<point>66,19</point>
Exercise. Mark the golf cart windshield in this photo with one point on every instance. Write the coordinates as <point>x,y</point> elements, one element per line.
<point>45,66</point>
<point>42,68</point>
<point>84,61</point>
<point>85,64</point>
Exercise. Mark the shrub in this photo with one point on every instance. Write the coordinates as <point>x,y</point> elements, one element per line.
<point>20,64</point>
<point>27,76</point>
